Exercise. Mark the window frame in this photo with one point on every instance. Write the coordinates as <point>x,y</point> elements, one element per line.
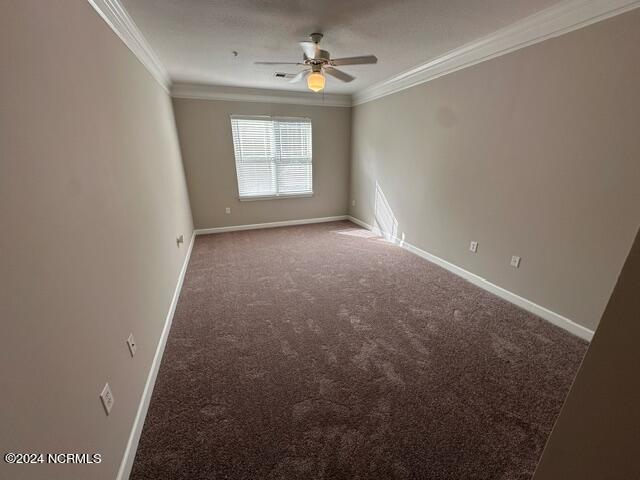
<point>276,196</point>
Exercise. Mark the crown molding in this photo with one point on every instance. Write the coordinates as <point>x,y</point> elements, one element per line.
<point>554,21</point>
<point>557,20</point>
<point>115,15</point>
<point>240,94</point>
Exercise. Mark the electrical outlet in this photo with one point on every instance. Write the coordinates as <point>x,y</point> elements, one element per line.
<point>107,398</point>
<point>131,343</point>
<point>180,240</point>
<point>227,210</point>
<point>473,247</point>
<point>353,203</point>
<point>515,261</point>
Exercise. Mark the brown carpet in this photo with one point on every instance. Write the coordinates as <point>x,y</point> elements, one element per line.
<point>318,352</point>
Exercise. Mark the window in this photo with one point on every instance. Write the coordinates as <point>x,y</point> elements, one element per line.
<point>273,156</point>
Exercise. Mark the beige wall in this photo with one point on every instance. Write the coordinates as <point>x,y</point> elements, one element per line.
<point>535,153</point>
<point>597,435</point>
<point>204,129</point>
<point>92,197</point>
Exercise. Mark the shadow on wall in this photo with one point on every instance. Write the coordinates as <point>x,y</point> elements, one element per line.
<point>383,218</point>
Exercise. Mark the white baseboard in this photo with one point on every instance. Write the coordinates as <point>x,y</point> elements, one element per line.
<point>360,222</point>
<point>138,423</point>
<point>255,226</point>
<point>540,311</point>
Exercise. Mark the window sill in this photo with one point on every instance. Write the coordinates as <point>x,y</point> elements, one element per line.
<point>275,197</point>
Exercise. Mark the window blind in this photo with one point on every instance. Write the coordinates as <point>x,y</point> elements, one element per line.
<point>273,156</point>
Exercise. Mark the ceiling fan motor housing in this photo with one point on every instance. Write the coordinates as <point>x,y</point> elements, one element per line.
<point>323,55</point>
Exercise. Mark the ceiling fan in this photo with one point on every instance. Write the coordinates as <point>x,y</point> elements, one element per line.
<point>318,62</point>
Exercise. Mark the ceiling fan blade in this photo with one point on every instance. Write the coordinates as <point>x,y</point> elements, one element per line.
<point>299,76</point>
<point>339,74</point>
<point>310,49</point>
<point>277,63</point>
<point>354,60</point>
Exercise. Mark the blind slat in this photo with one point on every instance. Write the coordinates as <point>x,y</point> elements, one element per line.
<point>273,155</point>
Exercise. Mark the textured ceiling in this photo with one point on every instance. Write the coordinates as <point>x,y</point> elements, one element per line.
<point>195,39</point>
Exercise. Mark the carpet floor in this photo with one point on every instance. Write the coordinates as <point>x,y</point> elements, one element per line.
<point>324,352</point>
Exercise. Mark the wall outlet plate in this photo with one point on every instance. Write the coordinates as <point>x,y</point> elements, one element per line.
<point>227,210</point>
<point>473,247</point>
<point>131,343</point>
<point>107,398</point>
<point>515,261</point>
<point>353,203</point>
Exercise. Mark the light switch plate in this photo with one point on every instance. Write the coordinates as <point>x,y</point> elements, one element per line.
<point>131,343</point>
<point>107,398</point>
<point>473,247</point>
<point>515,261</point>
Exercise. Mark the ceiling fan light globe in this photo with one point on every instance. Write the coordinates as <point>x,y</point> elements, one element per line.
<point>315,81</point>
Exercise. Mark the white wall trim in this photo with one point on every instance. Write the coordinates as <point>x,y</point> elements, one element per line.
<point>559,19</point>
<point>143,407</point>
<point>528,305</point>
<point>256,226</point>
<point>357,221</point>
<point>123,25</point>
<point>240,94</point>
